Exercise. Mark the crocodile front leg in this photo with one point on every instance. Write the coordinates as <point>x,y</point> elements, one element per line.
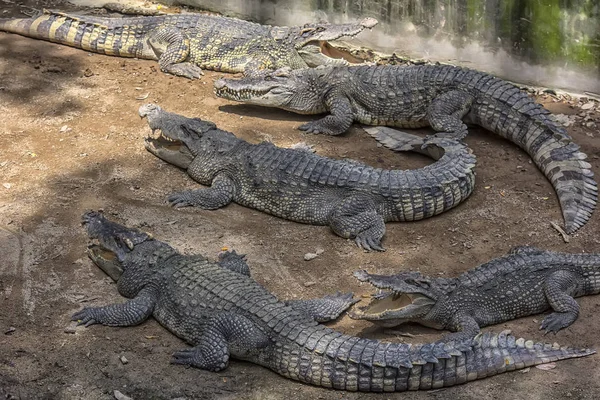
<point>130,313</point>
<point>218,195</point>
<point>558,289</point>
<point>356,218</point>
<point>446,111</point>
<point>224,334</point>
<point>464,328</point>
<point>172,47</point>
<point>326,308</point>
<point>338,122</point>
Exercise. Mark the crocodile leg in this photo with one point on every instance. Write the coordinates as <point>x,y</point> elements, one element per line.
<point>338,122</point>
<point>132,312</point>
<point>172,48</point>
<point>234,262</point>
<point>446,111</point>
<point>326,308</point>
<point>464,328</point>
<point>218,195</point>
<point>558,289</point>
<point>357,218</point>
<point>224,333</point>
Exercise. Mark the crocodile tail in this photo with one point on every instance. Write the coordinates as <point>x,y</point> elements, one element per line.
<point>435,188</point>
<point>515,116</point>
<point>490,354</point>
<point>98,35</point>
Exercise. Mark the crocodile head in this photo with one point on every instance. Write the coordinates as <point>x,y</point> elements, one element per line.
<point>117,246</point>
<point>314,32</point>
<point>404,297</point>
<point>292,90</point>
<point>180,139</point>
<point>311,40</point>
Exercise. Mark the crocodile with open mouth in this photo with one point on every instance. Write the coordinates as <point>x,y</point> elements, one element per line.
<point>526,281</point>
<point>225,314</point>
<point>184,44</point>
<point>354,199</point>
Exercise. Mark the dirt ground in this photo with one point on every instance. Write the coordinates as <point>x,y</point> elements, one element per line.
<point>71,140</point>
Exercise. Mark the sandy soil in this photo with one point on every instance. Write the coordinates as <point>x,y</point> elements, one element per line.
<point>71,140</point>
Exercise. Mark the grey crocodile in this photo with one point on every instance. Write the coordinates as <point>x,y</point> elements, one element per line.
<point>440,96</point>
<point>527,281</point>
<point>184,44</point>
<point>354,199</point>
<point>226,314</point>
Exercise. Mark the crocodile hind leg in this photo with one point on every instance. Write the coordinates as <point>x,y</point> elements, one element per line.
<point>172,48</point>
<point>445,114</point>
<point>218,195</point>
<point>357,218</point>
<point>326,308</point>
<point>558,289</point>
<point>132,312</point>
<point>221,335</point>
<point>234,262</point>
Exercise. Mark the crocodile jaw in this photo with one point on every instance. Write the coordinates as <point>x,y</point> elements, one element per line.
<point>172,151</point>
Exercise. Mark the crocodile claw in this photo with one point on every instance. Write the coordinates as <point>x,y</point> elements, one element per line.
<point>85,316</point>
<point>368,243</point>
<point>179,200</point>
<point>316,127</point>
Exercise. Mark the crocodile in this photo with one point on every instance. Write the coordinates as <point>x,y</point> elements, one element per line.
<point>354,199</point>
<point>524,282</point>
<point>184,44</point>
<point>225,314</point>
<point>441,96</point>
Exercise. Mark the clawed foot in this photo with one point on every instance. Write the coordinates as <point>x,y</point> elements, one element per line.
<point>316,127</point>
<point>87,316</point>
<point>186,70</point>
<point>555,322</point>
<point>192,357</point>
<point>368,243</point>
<point>344,299</point>
<point>181,199</point>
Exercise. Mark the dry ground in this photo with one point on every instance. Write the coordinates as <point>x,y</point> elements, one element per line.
<point>71,140</point>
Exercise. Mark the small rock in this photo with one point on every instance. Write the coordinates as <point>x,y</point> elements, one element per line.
<point>319,251</point>
<point>309,284</point>
<point>6,185</point>
<point>10,330</point>
<point>590,124</point>
<point>546,367</point>
<point>120,396</point>
<point>310,256</point>
<point>87,73</point>
<point>70,329</point>
<point>64,129</point>
<point>588,105</point>
<point>124,360</point>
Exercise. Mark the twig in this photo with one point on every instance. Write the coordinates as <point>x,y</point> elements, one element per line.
<point>561,231</point>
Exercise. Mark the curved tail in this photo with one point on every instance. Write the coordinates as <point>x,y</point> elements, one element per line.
<point>507,111</point>
<point>437,187</point>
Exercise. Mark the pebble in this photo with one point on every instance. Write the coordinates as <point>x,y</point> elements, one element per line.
<point>310,256</point>
<point>588,105</point>
<point>120,396</point>
<point>70,329</point>
<point>309,284</point>
<point>6,185</point>
<point>10,330</point>
<point>124,360</point>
